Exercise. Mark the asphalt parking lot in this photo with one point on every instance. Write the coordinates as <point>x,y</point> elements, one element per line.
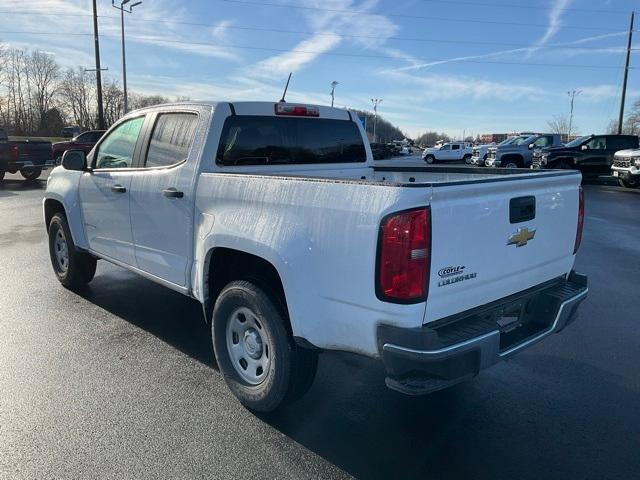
<point>120,382</point>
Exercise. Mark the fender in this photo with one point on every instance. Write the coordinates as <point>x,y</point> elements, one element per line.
<point>64,189</point>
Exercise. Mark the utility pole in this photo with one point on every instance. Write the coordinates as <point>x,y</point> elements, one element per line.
<point>375,102</point>
<point>626,76</point>
<point>572,94</point>
<point>333,89</point>
<point>98,70</point>
<point>124,57</point>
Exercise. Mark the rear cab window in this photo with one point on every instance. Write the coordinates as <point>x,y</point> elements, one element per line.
<point>265,140</point>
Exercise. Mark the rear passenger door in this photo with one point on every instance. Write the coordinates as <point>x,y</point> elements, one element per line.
<point>162,203</point>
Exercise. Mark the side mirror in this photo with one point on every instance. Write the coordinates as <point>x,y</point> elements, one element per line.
<point>74,160</point>
<point>531,146</point>
<point>585,147</point>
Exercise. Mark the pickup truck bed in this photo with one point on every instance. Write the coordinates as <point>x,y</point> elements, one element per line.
<point>436,272</point>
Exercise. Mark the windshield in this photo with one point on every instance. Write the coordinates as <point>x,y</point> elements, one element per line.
<point>507,141</point>
<point>523,139</point>
<point>578,141</point>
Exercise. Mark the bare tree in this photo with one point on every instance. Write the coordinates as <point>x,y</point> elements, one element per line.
<point>77,96</point>
<point>113,99</point>
<point>44,75</point>
<point>560,124</point>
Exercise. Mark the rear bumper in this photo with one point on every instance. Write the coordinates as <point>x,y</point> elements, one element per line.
<point>14,166</point>
<point>424,360</point>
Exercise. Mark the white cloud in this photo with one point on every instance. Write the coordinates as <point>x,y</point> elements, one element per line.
<point>555,22</point>
<point>447,87</point>
<point>302,54</point>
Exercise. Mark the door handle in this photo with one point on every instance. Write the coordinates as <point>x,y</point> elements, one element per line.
<point>172,193</point>
<point>118,189</point>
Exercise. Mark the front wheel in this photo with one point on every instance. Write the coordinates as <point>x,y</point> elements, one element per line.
<point>430,159</point>
<point>74,269</point>
<point>261,364</point>
<point>629,184</point>
<point>1,175</point>
<point>467,158</point>
<point>30,173</point>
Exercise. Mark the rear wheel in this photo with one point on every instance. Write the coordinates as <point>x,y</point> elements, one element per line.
<point>1,175</point>
<point>74,269</point>
<point>261,364</point>
<point>31,173</point>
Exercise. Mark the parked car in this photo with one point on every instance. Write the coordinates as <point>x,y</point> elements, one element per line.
<point>29,157</point>
<point>481,152</point>
<point>591,154</point>
<point>451,151</point>
<point>519,152</point>
<point>85,142</point>
<point>626,168</point>
<point>71,131</point>
<point>274,217</point>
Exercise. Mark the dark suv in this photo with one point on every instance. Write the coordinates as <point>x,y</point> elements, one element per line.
<point>592,154</point>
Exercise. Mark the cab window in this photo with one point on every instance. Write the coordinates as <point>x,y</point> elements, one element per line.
<point>118,147</point>
<point>171,139</point>
<point>455,147</point>
<point>597,143</point>
<point>542,142</point>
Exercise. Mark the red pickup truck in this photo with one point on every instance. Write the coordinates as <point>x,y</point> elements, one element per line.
<point>85,142</point>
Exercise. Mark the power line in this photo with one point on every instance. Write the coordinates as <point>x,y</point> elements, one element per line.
<point>525,7</point>
<point>342,11</point>
<point>337,54</point>
<point>400,15</point>
<point>372,37</point>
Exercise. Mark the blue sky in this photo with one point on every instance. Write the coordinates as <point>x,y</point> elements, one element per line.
<point>477,66</point>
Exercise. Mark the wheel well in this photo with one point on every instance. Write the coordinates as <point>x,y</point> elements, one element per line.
<point>224,265</point>
<point>512,157</point>
<point>51,207</point>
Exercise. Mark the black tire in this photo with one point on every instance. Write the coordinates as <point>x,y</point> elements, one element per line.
<point>291,369</point>
<point>31,173</point>
<point>80,266</point>
<point>628,184</point>
<point>467,158</point>
<point>430,159</point>
<point>1,175</point>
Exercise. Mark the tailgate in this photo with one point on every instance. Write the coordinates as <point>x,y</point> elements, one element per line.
<point>476,232</point>
<point>34,151</point>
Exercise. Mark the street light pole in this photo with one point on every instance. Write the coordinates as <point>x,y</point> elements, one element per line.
<point>572,94</point>
<point>333,89</point>
<point>375,102</point>
<point>124,57</point>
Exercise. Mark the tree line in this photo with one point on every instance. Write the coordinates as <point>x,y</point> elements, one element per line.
<point>39,97</point>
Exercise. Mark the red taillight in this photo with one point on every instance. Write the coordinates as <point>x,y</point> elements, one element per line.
<point>291,110</point>
<point>14,152</point>
<point>580,221</point>
<point>404,256</point>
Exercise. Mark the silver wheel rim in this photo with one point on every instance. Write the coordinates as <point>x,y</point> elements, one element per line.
<point>248,346</point>
<point>511,165</point>
<point>61,250</point>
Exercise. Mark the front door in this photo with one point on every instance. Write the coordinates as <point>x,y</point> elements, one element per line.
<point>105,193</point>
<point>162,203</point>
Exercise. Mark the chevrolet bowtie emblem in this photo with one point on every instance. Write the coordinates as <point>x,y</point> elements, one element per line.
<point>522,237</point>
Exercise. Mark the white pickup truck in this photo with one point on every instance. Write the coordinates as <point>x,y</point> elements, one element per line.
<point>448,152</point>
<point>275,219</point>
